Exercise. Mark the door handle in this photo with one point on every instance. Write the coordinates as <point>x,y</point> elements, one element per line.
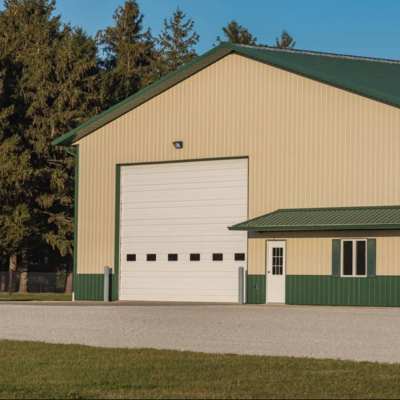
<point>269,272</point>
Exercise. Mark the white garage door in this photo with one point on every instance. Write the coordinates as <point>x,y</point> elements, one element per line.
<point>175,245</point>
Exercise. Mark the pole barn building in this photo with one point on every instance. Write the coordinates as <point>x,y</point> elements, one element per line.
<point>283,162</point>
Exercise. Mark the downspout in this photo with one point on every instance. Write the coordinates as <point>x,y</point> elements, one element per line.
<point>71,153</point>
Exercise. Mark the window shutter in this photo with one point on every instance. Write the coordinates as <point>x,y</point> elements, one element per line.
<point>371,258</point>
<point>336,257</point>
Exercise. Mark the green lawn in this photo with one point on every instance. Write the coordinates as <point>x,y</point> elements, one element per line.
<point>36,370</point>
<point>34,297</point>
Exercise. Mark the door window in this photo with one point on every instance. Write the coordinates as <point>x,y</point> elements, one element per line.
<point>277,261</point>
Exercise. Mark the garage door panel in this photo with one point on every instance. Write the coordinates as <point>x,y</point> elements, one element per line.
<point>185,265</point>
<point>182,237</point>
<point>199,230</point>
<point>181,188</point>
<point>176,177</point>
<point>179,283</point>
<point>181,209</point>
<point>160,196</point>
<point>193,211</point>
<point>151,169</point>
<point>195,247</point>
<point>179,203</point>
<point>184,260</point>
<point>203,293</point>
<point>177,214</point>
<point>190,298</point>
<point>203,268</point>
<point>173,222</point>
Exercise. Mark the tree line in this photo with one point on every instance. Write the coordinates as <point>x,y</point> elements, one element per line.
<point>53,78</point>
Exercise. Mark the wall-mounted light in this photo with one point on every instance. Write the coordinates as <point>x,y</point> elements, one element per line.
<point>178,145</point>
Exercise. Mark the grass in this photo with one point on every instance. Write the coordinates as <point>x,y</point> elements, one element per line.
<point>37,370</point>
<point>34,297</point>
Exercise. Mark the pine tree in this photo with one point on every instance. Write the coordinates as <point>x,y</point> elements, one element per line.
<point>15,169</point>
<point>286,41</point>
<point>177,42</point>
<point>129,52</point>
<point>237,34</point>
<point>53,90</point>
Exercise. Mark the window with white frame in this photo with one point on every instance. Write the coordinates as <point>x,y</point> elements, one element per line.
<point>354,258</point>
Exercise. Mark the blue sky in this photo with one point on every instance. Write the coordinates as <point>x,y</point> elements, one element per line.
<point>358,27</point>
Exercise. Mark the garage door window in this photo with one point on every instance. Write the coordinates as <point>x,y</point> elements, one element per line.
<point>172,257</point>
<point>218,257</point>
<point>151,257</point>
<point>195,257</point>
<point>131,257</point>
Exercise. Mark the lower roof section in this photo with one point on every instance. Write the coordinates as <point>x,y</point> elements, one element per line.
<point>324,219</point>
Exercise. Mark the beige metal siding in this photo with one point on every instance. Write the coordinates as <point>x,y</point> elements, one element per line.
<point>309,145</point>
<point>310,253</point>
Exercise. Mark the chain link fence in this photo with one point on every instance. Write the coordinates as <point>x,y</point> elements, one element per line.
<point>33,282</point>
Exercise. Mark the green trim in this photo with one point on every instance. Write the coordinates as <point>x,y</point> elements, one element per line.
<point>320,76</point>
<point>340,208</point>
<point>183,161</point>
<point>89,287</point>
<point>116,275</point>
<point>71,153</point>
<point>275,59</point>
<point>371,258</point>
<point>324,219</point>
<point>383,291</point>
<point>115,284</point>
<point>336,258</point>
<point>256,289</point>
<point>319,228</point>
<point>76,155</point>
<point>146,94</point>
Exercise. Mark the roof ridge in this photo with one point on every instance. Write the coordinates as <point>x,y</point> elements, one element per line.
<point>322,54</point>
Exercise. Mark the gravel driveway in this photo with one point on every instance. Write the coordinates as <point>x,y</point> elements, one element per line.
<point>338,333</point>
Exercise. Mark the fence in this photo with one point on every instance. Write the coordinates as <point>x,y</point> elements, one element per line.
<point>33,282</point>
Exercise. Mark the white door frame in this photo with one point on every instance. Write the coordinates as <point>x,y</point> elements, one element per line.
<point>275,294</point>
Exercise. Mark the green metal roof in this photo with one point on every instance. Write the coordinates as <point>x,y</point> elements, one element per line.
<point>374,78</point>
<point>324,219</point>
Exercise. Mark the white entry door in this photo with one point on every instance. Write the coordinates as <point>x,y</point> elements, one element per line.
<point>276,272</point>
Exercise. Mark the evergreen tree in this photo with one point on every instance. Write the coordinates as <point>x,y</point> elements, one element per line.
<point>286,41</point>
<point>237,34</point>
<point>15,170</point>
<point>54,89</point>
<point>177,42</point>
<point>129,52</point>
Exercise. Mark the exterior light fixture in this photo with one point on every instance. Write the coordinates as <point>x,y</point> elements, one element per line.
<point>178,145</point>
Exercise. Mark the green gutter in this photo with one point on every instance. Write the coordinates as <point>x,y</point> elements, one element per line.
<point>71,153</point>
<point>316,228</point>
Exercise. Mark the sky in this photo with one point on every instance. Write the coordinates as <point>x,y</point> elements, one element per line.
<point>358,27</point>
